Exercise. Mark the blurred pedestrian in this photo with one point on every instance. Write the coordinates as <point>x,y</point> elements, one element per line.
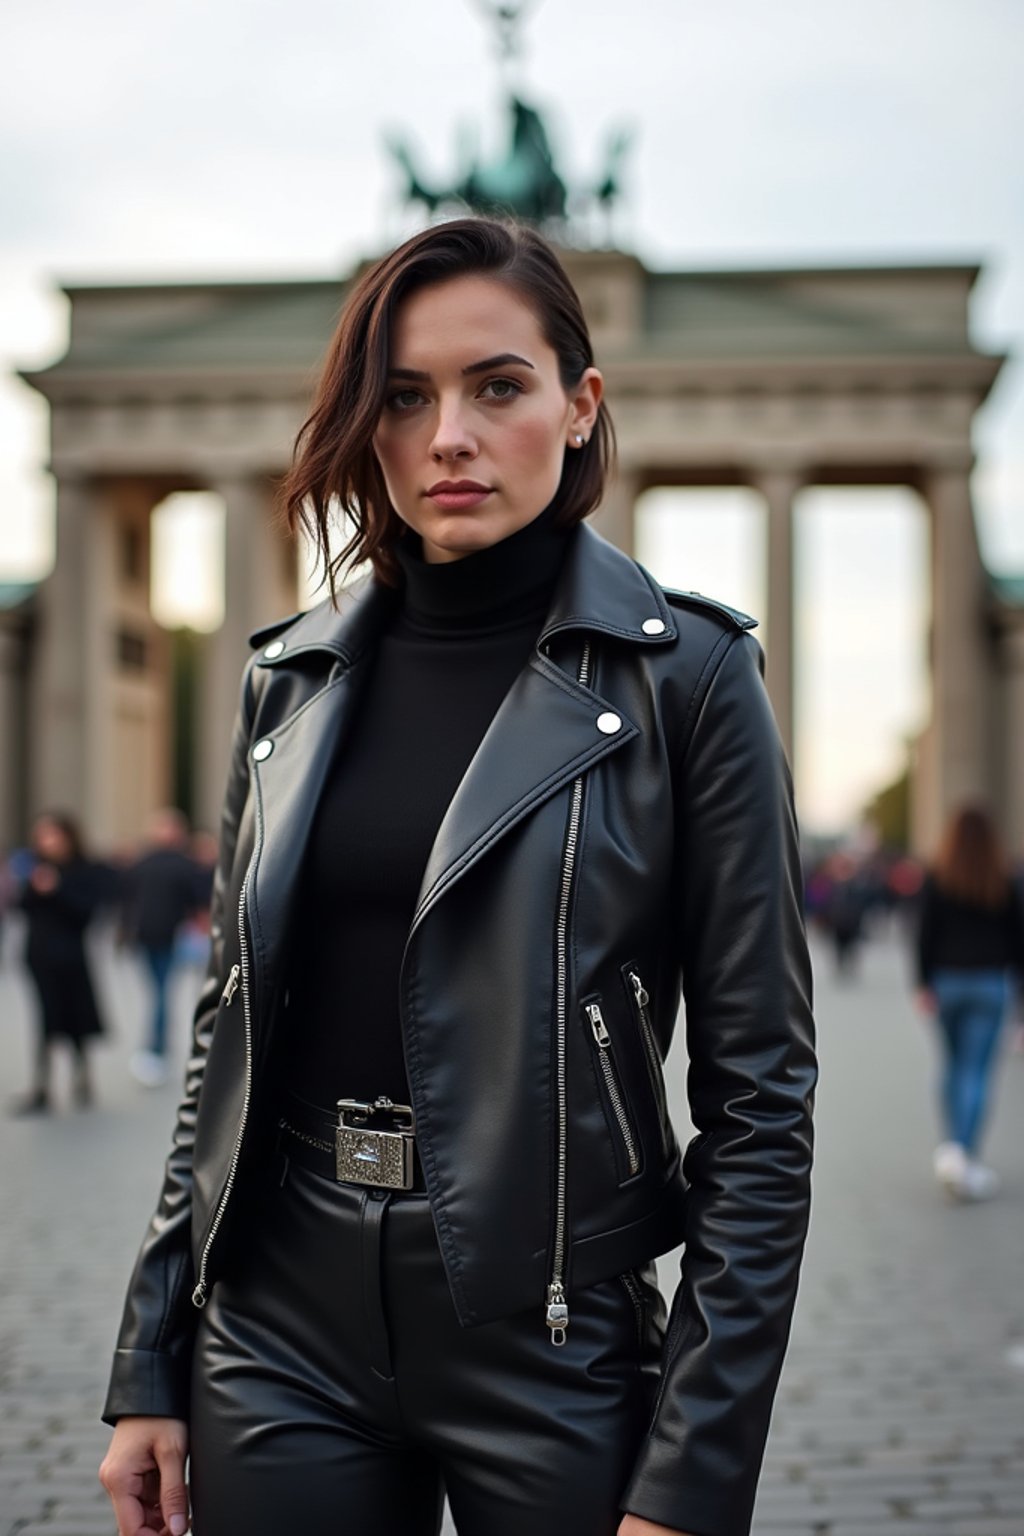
<point>970,941</point>
<point>844,911</point>
<point>192,947</point>
<point>161,892</point>
<point>59,895</point>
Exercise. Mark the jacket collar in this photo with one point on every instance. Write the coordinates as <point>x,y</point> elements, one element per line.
<point>598,589</point>
<point>601,589</point>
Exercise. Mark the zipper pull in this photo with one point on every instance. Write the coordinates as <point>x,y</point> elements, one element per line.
<point>231,985</point>
<point>557,1313</point>
<point>199,1295</point>
<point>642,996</point>
<point>597,1024</point>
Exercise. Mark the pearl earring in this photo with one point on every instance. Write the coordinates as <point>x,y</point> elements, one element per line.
<point>579,440</point>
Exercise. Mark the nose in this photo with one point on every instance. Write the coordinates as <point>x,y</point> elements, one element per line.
<point>453,438</point>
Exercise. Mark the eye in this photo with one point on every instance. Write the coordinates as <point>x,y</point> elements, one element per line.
<point>404,399</point>
<point>501,389</point>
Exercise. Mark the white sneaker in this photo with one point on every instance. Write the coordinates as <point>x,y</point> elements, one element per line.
<point>148,1068</point>
<point>951,1164</point>
<point>979,1182</point>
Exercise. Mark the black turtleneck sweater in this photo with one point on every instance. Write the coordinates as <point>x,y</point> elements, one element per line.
<point>464,631</point>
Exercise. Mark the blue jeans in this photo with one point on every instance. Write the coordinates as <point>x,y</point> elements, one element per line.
<point>160,963</point>
<point>972,1007</point>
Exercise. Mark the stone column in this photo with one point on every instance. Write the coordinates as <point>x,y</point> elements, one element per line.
<point>260,585</point>
<point>99,578</point>
<point>57,777</point>
<point>99,741</point>
<point>779,486</point>
<point>15,654</point>
<point>1011,715</point>
<point>614,518</point>
<point>960,659</point>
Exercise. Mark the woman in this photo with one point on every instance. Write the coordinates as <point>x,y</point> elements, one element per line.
<point>970,939</point>
<point>482,816</point>
<point>59,897</point>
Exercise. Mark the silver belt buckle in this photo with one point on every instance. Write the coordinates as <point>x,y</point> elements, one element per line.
<point>367,1156</point>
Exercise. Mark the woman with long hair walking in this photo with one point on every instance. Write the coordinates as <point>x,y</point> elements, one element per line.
<point>970,942</point>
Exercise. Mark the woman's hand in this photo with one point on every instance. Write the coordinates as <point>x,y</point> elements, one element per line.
<point>144,1473</point>
<point>632,1525</point>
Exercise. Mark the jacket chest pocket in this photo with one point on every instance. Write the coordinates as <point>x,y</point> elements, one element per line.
<point>615,1102</point>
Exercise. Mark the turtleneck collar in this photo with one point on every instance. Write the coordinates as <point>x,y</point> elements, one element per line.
<point>492,589</point>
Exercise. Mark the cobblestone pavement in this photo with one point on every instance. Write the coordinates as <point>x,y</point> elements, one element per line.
<point>901,1408</point>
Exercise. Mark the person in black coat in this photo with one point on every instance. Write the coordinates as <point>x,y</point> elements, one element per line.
<point>161,891</point>
<point>59,897</point>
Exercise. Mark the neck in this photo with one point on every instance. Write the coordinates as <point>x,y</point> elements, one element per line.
<point>489,589</point>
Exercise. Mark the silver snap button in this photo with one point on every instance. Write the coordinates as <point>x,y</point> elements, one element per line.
<point>262,749</point>
<point>273,649</point>
<point>653,626</point>
<point>609,723</point>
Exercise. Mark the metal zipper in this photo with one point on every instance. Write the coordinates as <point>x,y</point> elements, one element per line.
<point>629,1280</point>
<point>311,1141</point>
<point>230,986</point>
<point>200,1293</point>
<point>556,1311</point>
<point>599,1030</point>
<point>642,999</point>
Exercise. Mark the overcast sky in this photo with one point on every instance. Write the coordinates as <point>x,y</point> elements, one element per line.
<point>245,138</point>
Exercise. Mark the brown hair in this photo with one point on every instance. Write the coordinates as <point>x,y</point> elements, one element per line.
<point>970,864</point>
<point>334,466</point>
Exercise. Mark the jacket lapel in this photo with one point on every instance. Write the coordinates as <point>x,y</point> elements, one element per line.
<point>290,763</point>
<point>545,732</point>
<point>546,729</point>
<point>288,784</point>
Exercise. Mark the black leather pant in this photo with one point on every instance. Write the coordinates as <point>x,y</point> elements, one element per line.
<point>335,1393</point>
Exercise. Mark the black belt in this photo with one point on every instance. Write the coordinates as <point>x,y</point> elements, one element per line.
<point>367,1143</point>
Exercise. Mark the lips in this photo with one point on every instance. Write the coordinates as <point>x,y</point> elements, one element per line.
<point>457,495</point>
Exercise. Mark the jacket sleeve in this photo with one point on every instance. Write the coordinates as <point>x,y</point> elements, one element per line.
<point>152,1361</point>
<point>750,1038</point>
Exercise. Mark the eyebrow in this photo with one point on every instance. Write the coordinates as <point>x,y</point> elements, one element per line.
<point>501,360</point>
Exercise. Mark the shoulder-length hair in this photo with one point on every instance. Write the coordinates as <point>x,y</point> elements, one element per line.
<point>334,468</point>
<point>970,864</point>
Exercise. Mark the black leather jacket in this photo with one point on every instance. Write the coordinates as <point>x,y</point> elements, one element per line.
<point>628,818</point>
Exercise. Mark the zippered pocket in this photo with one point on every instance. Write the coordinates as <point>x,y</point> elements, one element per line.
<point>640,999</point>
<point>617,1112</point>
<point>636,1296</point>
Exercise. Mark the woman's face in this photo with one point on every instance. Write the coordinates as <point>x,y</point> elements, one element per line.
<point>476,422</point>
<point>50,841</point>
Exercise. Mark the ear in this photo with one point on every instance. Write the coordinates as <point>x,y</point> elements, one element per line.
<point>584,403</point>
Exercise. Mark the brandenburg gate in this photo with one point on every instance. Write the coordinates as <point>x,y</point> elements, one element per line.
<point>777,380</point>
